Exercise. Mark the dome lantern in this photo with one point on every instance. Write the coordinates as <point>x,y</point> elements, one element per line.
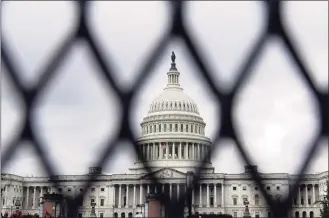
<point>173,74</point>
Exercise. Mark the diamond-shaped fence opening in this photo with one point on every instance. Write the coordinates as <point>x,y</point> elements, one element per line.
<point>275,28</point>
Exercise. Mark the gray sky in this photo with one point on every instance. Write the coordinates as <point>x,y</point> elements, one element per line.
<point>274,114</point>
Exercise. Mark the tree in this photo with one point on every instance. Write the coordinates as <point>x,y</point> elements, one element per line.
<point>324,211</point>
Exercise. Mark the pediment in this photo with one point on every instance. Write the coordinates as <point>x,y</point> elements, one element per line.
<point>164,174</point>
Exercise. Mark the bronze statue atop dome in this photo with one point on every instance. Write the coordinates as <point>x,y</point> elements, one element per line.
<point>173,56</point>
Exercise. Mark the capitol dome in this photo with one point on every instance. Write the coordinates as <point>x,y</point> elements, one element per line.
<point>173,132</point>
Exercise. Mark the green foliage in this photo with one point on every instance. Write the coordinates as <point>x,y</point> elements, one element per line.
<point>324,211</point>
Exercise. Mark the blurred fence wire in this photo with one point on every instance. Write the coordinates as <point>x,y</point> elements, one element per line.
<point>275,28</point>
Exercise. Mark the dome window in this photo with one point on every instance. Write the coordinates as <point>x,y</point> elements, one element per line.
<point>175,106</point>
<point>155,128</point>
<point>184,106</point>
<point>170,105</point>
<point>176,127</point>
<point>159,127</point>
<point>181,127</point>
<point>150,129</point>
<point>165,127</point>
<point>186,128</point>
<point>170,128</point>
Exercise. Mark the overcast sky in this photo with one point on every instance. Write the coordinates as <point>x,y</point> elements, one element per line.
<point>274,115</point>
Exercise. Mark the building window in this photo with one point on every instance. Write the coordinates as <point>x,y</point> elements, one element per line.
<point>102,189</point>
<point>92,201</point>
<point>101,215</point>
<point>268,188</point>
<point>309,201</point>
<point>186,128</point>
<point>234,188</point>
<point>181,127</point>
<point>256,188</point>
<point>102,202</point>
<point>165,127</point>
<point>235,214</point>
<point>244,188</point>
<point>69,189</point>
<point>81,189</point>
<point>176,127</point>
<point>170,127</point>
<point>159,127</point>
<point>211,201</point>
<point>278,188</point>
<point>235,201</point>
<point>302,201</point>
<point>92,189</point>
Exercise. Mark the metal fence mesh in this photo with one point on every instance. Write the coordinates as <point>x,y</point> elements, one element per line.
<point>275,28</point>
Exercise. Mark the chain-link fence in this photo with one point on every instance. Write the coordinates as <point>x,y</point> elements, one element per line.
<point>275,28</point>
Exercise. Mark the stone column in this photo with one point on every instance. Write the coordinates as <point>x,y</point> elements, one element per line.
<point>180,151</point>
<point>148,152</point>
<point>313,193</point>
<point>177,191</point>
<point>113,195</point>
<point>127,196</point>
<point>170,190</point>
<point>160,151</point>
<point>148,188</point>
<point>200,199</point>
<point>215,195</point>
<point>167,150</point>
<point>208,195</point>
<point>140,193</point>
<point>119,203</point>
<point>306,196</point>
<point>223,195</point>
<point>41,194</point>
<point>27,197</point>
<point>198,151</point>
<point>134,201</point>
<point>34,196</point>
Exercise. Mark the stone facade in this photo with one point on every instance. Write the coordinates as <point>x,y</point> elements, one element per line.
<point>173,142</point>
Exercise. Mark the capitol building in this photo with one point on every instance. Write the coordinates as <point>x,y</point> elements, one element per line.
<point>173,142</point>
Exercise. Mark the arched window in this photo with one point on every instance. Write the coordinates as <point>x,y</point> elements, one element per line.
<point>256,199</point>
<point>181,127</point>
<point>176,127</point>
<point>159,127</point>
<point>130,215</point>
<point>151,129</point>
<point>123,215</point>
<point>186,128</point>
<point>311,214</point>
<point>296,214</point>
<point>165,127</point>
<point>170,127</point>
<point>115,215</point>
<point>304,214</point>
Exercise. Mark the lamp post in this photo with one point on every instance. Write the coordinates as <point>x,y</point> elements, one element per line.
<point>189,183</point>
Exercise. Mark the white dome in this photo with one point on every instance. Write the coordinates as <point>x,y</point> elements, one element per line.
<point>173,132</point>
<point>173,99</point>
